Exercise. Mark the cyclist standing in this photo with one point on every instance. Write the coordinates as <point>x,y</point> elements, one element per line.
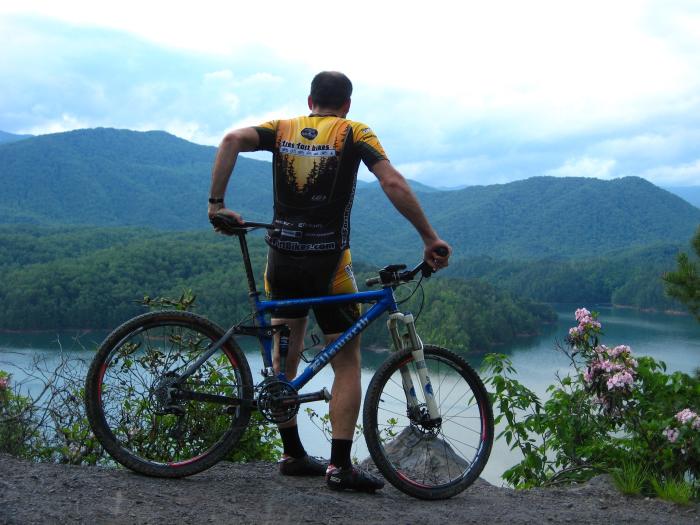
<point>315,163</point>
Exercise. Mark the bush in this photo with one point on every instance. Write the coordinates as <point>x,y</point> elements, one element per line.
<point>610,410</point>
<point>52,425</point>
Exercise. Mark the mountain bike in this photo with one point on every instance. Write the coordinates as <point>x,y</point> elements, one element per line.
<point>170,393</point>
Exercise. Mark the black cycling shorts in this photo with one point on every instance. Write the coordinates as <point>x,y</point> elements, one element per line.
<point>294,276</point>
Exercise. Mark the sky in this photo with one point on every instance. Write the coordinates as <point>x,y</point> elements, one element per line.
<point>459,93</point>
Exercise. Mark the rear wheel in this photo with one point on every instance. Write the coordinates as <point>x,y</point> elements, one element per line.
<point>428,460</point>
<point>148,422</point>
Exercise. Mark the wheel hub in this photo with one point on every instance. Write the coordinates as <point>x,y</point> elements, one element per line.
<point>162,396</point>
<point>421,421</point>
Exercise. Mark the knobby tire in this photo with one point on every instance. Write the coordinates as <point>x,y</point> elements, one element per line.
<point>126,383</point>
<point>424,462</point>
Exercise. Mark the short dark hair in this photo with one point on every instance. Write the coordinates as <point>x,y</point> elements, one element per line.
<point>330,89</point>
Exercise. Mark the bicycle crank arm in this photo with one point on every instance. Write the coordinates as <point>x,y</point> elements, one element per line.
<point>321,395</point>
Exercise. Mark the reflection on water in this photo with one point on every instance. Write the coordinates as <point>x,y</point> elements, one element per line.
<point>673,339</point>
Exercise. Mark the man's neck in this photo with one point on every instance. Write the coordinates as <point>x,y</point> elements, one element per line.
<point>318,111</point>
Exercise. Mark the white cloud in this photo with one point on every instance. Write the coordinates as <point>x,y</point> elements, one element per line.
<point>460,93</point>
<point>650,146</point>
<point>262,78</point>
<point>451,173</point>
<point>225,75</point>
<point>255,120</point>
<point>584,167</point>
<point>549,65</point>
<point>66,122</point>
<point>679,175</point>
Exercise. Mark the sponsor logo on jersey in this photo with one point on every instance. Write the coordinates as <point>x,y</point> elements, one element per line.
<point>307,150</point>
<point>309,133</point>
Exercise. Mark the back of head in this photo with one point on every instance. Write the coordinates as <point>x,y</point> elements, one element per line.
<point>330,89</point>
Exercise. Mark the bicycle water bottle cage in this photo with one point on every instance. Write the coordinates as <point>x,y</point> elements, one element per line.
<point>389,274</point>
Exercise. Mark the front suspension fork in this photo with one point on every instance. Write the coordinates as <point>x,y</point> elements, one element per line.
<point>410,340</point>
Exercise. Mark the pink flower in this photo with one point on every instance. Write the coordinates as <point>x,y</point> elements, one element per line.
<point>686,415</point>
<point>619,350</point>
<point>620,380</point>
<point>671,434</point>
<point>574,331</point>
<point>4,383</point>
<point>581,313</point>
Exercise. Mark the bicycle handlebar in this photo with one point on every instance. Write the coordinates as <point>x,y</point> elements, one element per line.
<point>387,275</point>
<point>393,275</point>
<point>228,225</point>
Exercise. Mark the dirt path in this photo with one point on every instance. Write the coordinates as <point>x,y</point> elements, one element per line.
<point>256,493</point>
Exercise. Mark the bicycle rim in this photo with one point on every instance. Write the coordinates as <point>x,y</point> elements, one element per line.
<point>128,403</point>
<point>429,462</point>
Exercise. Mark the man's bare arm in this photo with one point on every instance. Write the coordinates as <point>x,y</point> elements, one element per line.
<point>404,200</point>
<point>244,139</point>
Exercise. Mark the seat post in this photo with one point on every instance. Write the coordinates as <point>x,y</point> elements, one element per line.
<point>253,292</point>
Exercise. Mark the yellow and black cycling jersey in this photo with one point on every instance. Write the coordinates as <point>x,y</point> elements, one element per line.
<point>315,163</point>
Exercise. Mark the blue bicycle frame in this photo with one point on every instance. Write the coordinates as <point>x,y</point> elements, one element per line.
<point>383,299</point>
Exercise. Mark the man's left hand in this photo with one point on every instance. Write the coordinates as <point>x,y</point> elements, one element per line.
<point>433,258</point>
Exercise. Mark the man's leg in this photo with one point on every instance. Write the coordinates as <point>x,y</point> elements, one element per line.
<point>296,462</point>
<point>344,409</point>
<point>288,429</point>
<point>347,391</point>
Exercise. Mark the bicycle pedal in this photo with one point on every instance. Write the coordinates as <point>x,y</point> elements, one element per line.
<point>326,395</point>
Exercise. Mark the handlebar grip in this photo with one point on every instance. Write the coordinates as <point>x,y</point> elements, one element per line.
<point>372,281</point>
<point>441,251</point>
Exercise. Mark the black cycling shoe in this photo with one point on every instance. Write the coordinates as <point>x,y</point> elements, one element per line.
<point>353,478</point>
<point>306,466</point>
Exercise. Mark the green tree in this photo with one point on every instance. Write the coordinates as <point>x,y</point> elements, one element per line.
<point>684,283</point>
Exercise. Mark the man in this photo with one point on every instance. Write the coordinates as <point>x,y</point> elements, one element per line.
<point>315,163</point>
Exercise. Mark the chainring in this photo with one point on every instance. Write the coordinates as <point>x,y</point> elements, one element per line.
<point>274,401</point>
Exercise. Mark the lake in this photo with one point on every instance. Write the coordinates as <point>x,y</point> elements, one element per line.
<point>673,339</point>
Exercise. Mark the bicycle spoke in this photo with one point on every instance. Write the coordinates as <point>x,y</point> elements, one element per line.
<point>422,460</point>
<point>146,425</point>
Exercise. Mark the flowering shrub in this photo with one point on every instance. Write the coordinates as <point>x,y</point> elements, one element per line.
<point>610,407</point>
<point>609,375</point>
<point>588,327</point>
<point>683,436</point>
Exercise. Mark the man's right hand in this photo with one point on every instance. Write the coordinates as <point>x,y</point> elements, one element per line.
<point>219,209</point>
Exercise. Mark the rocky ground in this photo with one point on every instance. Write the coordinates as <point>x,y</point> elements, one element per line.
<point>256,493</point>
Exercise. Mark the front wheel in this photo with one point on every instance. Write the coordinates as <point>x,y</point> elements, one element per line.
<point>424,458</point>
<point>147,420</point>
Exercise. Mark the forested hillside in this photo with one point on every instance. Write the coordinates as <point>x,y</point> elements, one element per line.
<point>95,278</point>
<point>540,217</point>
<point>107,177</point>
<point>6,137</point>
<point>548,239</point>
<point>630,277</point>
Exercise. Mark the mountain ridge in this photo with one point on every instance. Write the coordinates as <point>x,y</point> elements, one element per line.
<point>108,177</point>
<point>6,137</point>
